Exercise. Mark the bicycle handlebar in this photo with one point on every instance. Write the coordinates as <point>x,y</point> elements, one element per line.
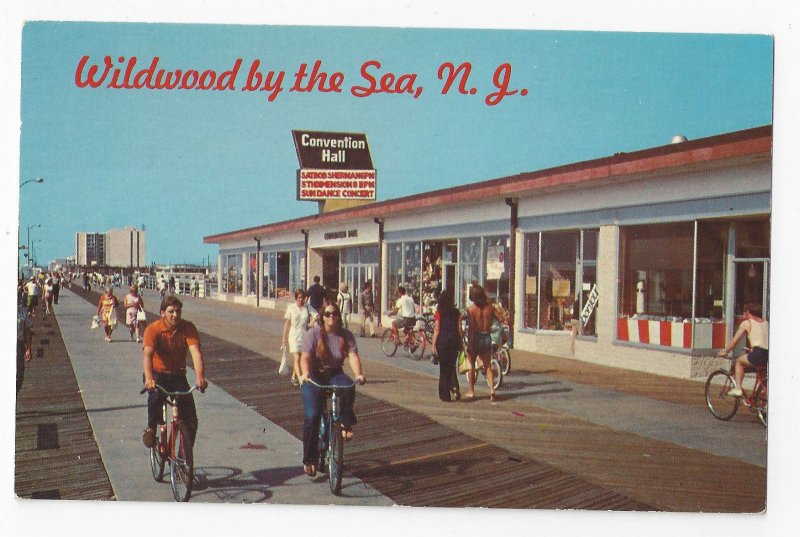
<point>331,387</point>
<point>165,392</point>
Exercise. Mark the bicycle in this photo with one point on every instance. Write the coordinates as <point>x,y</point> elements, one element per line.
<point>173,444</point>
<point>413,341</point>
<point>494,363</point>
<point>503,356</point>
<point>723,406</point>
<point>331,441</point>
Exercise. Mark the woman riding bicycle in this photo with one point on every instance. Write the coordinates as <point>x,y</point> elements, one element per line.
<point>325,347</point>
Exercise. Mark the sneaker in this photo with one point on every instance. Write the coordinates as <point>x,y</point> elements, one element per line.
<point>735,392</point>
<point>149,437</point>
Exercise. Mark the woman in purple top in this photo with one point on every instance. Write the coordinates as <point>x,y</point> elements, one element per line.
<point>325,347</point>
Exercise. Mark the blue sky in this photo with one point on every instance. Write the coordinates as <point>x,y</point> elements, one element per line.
<point>188,163</point>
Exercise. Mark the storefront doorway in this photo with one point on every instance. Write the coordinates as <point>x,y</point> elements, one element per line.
<point>330,271</point>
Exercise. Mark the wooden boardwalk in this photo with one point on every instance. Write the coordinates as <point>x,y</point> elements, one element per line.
<point>421,452</point>
<point>409,457</point>
<point>56,456</point>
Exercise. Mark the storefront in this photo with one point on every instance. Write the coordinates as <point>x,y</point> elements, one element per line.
<point>641,260</point>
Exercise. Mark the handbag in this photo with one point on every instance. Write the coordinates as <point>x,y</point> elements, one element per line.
<point>463,363</point>
<point>141,315</point>
<point>283,369</point>
<point>95,321</point>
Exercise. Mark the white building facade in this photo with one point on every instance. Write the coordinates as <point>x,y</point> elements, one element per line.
<point>640,260</point>
<point>114,248</point>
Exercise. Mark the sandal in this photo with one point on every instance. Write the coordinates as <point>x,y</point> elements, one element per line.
<point>347,434</point>
<point>492,397</point>
<point>310,470</point>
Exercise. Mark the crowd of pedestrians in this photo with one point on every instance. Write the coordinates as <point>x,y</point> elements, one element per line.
<point>316,335</point>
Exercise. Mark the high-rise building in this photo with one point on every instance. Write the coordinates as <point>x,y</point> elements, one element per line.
<point>114,248</point>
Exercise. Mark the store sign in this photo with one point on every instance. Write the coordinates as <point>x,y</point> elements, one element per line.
<point>332,235</point>
<point>588,308</point>
<point>336,184</point>
<point>334,165</point>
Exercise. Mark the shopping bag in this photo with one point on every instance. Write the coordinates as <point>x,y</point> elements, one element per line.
<point>112,318</point>
<point>463,363</point>
<point>284,369</point>
<point>95,321</point>
<point>141,315</point>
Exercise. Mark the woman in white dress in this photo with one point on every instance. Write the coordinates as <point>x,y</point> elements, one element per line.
<point>297,316</point>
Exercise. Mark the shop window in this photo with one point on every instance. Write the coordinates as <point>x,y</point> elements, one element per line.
<point>496,260</point>
<point>252,269</point>
<point>656,270</point>
<point>531,285</point>
<point>394,269</point>
<point>557,287</point>
<point>269,277</point>
<point>712,240</point>
<point>560,273</point>
<point>412,269</point>
<point>297,273</point>
<point>232,274</point>
<point>668,295</point>
<point>469,267</point>
<point>431,272</point>
<point>752,239</point>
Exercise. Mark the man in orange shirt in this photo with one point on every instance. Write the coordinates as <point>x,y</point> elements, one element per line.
<point>166,343</point>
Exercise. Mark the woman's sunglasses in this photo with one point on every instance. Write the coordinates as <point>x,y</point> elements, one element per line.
<point>330,314</point>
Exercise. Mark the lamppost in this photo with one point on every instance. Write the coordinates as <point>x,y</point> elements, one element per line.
<point>37,180</point>
<point>28,249</point>
<point>29,241</point>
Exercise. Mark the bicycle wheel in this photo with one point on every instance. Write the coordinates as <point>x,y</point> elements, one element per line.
<point>388,343</point>
<point>721,405</point>
<point>504,357</point>
<point>760,404</point>
<point>498,373</point>
<point>429,325</point>
<point>156,454</point>
<point>322,446</point>
<point>415,345</point>
<point>181,469</point>
<point>335,457</point>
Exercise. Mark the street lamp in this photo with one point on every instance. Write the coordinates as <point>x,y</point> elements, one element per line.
<point>37,180</point>
<point>29,240</point>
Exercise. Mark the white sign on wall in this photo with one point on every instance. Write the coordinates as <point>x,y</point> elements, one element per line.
<point>588,308</point>
<point>495,262</point>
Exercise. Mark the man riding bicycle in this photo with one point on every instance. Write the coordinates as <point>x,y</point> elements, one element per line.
<point>166,343</point>
<point>757,331</point>
<point>405,311</point>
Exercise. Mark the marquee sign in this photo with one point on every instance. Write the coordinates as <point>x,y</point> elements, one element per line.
<point>334,165</point>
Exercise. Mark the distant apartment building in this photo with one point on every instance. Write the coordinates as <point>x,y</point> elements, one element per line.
<point>114,248</point>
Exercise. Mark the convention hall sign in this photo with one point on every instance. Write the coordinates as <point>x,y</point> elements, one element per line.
<point>334,166</point>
